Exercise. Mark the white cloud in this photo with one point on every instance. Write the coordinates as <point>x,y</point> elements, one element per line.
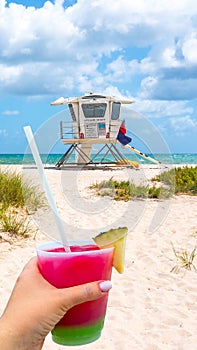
<point>155,109</point>
<point>182,124</point>
<point>190,49</point>
<point>84,46</point>
<point>169,57</point>
<point>3,133</point>
<point>10,112</point>
<point>59,2</point>
<point>10,73</point>
<point>2,6</point>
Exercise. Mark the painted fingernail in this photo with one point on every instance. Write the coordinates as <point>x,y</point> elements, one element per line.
<point>105,286</point>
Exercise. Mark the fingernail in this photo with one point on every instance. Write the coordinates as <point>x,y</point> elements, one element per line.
<point>105,286</point>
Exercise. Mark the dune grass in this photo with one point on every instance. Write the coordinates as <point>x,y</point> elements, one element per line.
<point>126,190</point>
<point>17,193</point>
<point>185,259</point>
<point>175,181</point>
<point>14,223</point>
<point>123,190</point>
<point>183,180</point>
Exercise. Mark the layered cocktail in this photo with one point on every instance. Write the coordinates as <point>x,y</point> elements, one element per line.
<point>85,263</point>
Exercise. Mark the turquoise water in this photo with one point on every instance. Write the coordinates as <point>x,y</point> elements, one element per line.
<point>185,158</point>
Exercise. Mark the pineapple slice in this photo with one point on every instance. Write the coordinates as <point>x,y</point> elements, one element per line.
<point>114,238</point>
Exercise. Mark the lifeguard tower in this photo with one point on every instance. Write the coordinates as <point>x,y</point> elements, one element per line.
<point>95,121</point>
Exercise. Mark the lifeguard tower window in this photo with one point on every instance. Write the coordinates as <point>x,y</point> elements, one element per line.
<point>94,110</point>
<point>70,106</point>
<point>115,110</point>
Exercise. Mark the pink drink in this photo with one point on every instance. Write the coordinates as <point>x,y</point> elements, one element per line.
<point>86,263</point>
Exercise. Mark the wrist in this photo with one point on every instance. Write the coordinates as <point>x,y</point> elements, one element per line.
<point>7,336</point>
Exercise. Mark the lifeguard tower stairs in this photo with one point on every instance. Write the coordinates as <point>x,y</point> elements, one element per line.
<point>94,125</point>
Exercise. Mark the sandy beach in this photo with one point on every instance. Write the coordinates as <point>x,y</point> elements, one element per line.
<point>150,307</point>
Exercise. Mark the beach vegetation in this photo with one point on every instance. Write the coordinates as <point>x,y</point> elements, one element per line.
<point>17,199</point>
<point>160,192</point>
<point>120,190</point>
<point>16,192</point>
<point>126,190</point>
<point>14,223</point>
<point>180,180</point>
<point>105,188</point>
<point>175,181</point>
<point>110,184</point>
<point>184,259</point>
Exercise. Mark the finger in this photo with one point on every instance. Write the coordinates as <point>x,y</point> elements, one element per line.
<point>85,292</point>
<point>31,277</point>
<point>30,267</point>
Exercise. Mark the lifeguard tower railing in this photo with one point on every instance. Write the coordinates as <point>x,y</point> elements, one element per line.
<point>67,130</point>
<point>69,133</point>
<point>108,154</point>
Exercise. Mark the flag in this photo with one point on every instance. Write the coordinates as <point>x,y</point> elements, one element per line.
<point>123,127</point>
<point>122,137</point>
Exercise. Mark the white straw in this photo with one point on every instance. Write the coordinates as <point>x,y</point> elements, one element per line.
<point>34,149</point>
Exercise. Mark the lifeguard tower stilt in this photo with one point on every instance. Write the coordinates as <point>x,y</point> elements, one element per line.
<point>95,121</point>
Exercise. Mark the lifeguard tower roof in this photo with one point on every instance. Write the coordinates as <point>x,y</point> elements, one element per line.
<point>90,96</point>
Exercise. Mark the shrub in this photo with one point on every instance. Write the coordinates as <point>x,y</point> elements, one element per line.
<point>123,190</point>
<point>160,192</point>
<point>181,180</point>
<point>178,181</point>
<point>186,180</point>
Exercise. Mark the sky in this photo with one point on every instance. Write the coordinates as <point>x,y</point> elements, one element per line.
<point>143,50</point>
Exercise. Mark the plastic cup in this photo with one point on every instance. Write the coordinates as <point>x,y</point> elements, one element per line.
<point>83,323</point>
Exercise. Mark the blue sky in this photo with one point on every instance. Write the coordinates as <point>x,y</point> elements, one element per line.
<point>143,50</point>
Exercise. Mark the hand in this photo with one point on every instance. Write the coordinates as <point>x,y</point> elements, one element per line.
<point>35,307</point>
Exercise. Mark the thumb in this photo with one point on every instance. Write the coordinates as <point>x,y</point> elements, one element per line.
<point>84,292</point>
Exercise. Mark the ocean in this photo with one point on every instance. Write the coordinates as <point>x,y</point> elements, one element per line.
<point>52,159</point>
